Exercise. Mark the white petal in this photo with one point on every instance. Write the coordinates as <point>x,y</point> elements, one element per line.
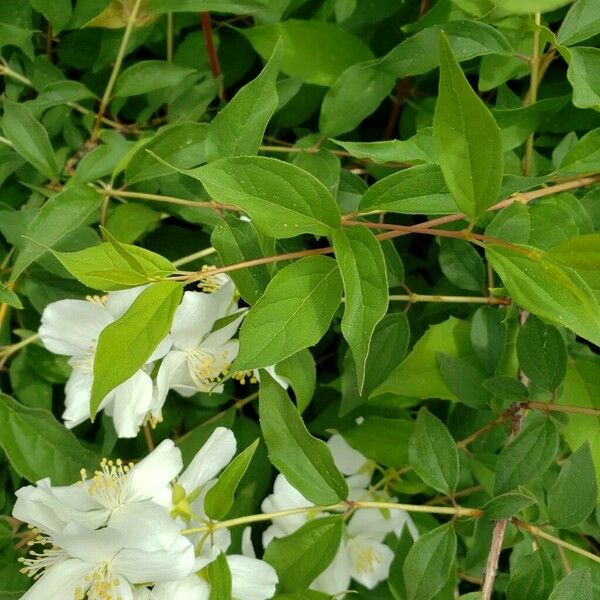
<point>78,392</point>
<point>190,588</point>
<point>376,524</point>
<point>155,472</point>
<point>138,566</point>
<point>60,581</point>
<point>370,561</point>
<point>251,579</point>
<point>144,526</point>
<point>280,379</point>
<point>348,460</point>
<point>335,579</point>
<point>161,350</point>
<point>247,545</point>
<point>118,303</point>
<point>28,510</point>
<point>131,403</point>
<point>92,545</point>
<point>215,455</point>
<point>195,317</point>
<point>173,373</point>
<point>72,327</point>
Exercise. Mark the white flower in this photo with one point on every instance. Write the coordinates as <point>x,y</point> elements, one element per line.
<point>106,563</point>
<point>72,328</point>
<point>93,501</point>
<point>200,356</point>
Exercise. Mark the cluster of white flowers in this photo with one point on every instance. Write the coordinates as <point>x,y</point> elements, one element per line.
<point>118,534</point>
<point>362,555</point>
<point>194,355</point>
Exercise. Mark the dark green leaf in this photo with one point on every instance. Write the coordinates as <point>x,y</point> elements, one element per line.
<point>506,505</point>
<point>575,586</point>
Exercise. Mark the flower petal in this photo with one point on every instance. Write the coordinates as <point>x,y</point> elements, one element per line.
<point>118,303</point>
<point>215,455</point>
<point>348,460</point>
<point>155,472</point>
<point>251,579</point>
<point>370,561</point>
<point>60,581</point>
<point>192,587</point>
<point>174,373</point>
<point>91,545</point>
<point>72,327</point>
<point>335,579</point>
<point>78,392</point>
<point>131,404</point>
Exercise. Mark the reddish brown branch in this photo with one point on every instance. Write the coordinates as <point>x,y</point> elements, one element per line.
<point>213,58</point>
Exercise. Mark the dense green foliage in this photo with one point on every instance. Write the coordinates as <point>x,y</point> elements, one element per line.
<point>405,195</point>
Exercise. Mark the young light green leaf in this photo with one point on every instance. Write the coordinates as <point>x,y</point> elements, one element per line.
<point>238,241</point>
<point>239,128</point>
<point>314,51</point>
<point>29,139</point>
<point>433,454</point>
<point>506,505</point>
<point>38,446</point>
<point>219,498</point>
<point>364,275</point>
<point>149,75</point>
<point>583,75</point>
<point>305,461</point>
<point>300,370</point>
<point>219,577</point>
<point>127,222</point>
<point>282,200</point>
<point>467,138</point>
<point>527,456</point>
<point>110,267</point>
<point>580,23</point>
<point>428,564</point>
<point>575,586</point>
<point>7,296</point>
<point>294,313</point>
<point>415,190</point>
<point>530,7</point>
<point>555,293</point>
<point>125,345</point>
<point>58,217</point>
<point>300,557</point>
<point>584,156</point>
<point>542,353</point>
<point>573,497</point>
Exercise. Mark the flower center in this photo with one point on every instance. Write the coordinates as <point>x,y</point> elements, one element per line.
<point>366,558</point>
<point>86,362</point>
<point>102,584</point>
<point>205,368</point>
<point>40,561</point>
<point>209,284</point>
<point>109,484</point>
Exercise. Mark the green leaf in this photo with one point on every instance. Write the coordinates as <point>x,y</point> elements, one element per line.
<point>128,222</point>
<point>58,12</point>
<point>238,241</point>
<point>419,374</point>
<point>182,144</point>
<point>219,498</point>
<point>30,388</point>
<point>362,267</point>
<point>29,139</point>
<point>221,6</point>
<point>294,313</point>
<point>313,51</point>
<point>38,446</point>
<point>281,199</point>
<point>584,77</point>
<point>508,389</point>
<point>7,296</point>
<point>584,156</point>
<point>573,497</point>
<point>464,380</point>
<point>219,577</point>
<point>381,439</point>
<point>417,190</point>
<point>58,93</point>
<point>542,353</point>
<point>433,454</point>
<point>580,23</point>
<point>239,127</point>
<point>57,218</point>
<point>396,581</point>
<point>532,6</point>
<point>300,370</point>
<point>115,267</point>
<point>467,139</point>
<point>532,577</point>
<point>149,75</point>
<point>506,505</point>
<point>575,586</point>
<point>462,264</point>
<point>552,292</point>
<point>488,337</point>
<point>527,456</point>
<point>427,566</point>
<point>125,345</point>
<point>300,557</point>
<point>305,461</point>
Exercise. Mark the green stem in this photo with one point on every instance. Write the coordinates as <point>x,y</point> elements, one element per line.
<point>106,97</point>
<point>169,37</point>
